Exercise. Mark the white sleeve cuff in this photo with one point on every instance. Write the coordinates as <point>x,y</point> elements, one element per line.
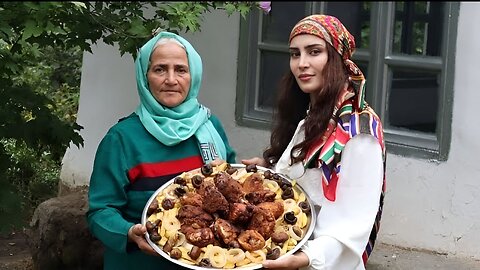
<point>339,256</point>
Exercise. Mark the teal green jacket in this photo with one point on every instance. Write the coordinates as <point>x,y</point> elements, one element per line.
<point>130,164</point>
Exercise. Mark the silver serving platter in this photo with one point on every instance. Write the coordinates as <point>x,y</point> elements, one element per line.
<point>309,228</point>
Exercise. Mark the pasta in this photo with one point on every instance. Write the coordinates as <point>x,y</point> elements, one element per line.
<point>217,250</point>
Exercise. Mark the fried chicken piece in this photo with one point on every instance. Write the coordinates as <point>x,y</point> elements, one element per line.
<point>255,191</point>
<point>229,187</point>
<point>263,222</point>
<point>192,223</point>
<point>192,198</point>
<point>225,231</point>
<point>276,208</point>
<point>240,213</point>
<point>213,200</point>
<point>259,196</point>
<point>199,237</point>
<point>188,214</point>
<point>253,183</point>
<point>251,240</point>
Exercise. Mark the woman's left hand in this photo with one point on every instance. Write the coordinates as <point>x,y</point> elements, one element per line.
<point>287,262</point>
<point>136,234</point>
<point>256,160</point>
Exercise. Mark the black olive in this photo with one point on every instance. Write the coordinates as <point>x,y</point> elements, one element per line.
<point>207,169</point>
<point>150,226</point>
<point>290,218</point>
<point>194,252</point>
<point>285,184</point>
<point>197,181</point>
<point>180,191</point>
<point>231,170</point>
<point>205,262</point>
<point>268,175</point>
<point>273,254</point>
<point>153,207</point>
<point>297,231</point>
<point>305,207</point>
<point>251,168</point>
<point>179,180</point>
<point>278,181</point>
<point>176,253</point>
<point>155,237</point>
<point>281,181</point>
<point>279,237</point>
<point>287,193</point>
<point>168,204</point>
<point>167,247</point>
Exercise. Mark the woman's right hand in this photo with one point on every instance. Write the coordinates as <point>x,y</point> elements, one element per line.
<point>256,160</point>
<point>136,234</point>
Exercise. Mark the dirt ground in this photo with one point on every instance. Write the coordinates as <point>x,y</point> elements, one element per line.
<point>14,252</point>
<point>389,257</point>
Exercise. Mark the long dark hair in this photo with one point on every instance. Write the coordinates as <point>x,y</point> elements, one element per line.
<point>292,105</point>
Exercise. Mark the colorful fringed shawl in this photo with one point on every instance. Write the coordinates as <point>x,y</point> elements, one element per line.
<point>326,154</point>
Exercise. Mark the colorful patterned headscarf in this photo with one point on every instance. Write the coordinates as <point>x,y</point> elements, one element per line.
<point>326,151</point>
<point>331,30</point>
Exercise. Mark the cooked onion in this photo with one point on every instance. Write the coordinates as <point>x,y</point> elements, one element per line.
<point>235,255</point>
<point>293,235</point>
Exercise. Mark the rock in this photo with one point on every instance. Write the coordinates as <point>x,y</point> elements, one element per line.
<point>59,238</point>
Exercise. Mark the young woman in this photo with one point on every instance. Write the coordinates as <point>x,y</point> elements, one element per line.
<point>328,138</point>
<point>169,133</point>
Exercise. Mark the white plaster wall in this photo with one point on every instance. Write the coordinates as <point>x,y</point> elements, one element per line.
<point>437,205</point>
<point>428,205</point>
<point>107,93</point>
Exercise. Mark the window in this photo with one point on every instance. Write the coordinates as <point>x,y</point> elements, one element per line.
<point>405,49</point>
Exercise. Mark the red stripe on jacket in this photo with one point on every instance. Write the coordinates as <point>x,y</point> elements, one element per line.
<point>164,168</point>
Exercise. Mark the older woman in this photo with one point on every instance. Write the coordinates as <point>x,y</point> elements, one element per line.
<point>169,133</point>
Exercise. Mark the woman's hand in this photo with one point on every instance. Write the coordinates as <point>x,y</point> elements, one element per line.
<point>256,160</point>
<point>298,260</point>
<point>136,234</point>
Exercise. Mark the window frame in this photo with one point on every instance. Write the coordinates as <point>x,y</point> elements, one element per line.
<point>409,143</point>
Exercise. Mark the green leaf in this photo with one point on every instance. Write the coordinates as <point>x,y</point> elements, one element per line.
<point>12,67</point>
<point>7,30</point>
<point>244,10</point>
<point>49,28</point>
<point>79,5</point>
<point>137,28</point>
<point>229,8</point>
<point>29,29</point>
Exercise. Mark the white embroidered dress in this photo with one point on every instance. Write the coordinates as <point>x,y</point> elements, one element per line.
<point>343,226</point>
